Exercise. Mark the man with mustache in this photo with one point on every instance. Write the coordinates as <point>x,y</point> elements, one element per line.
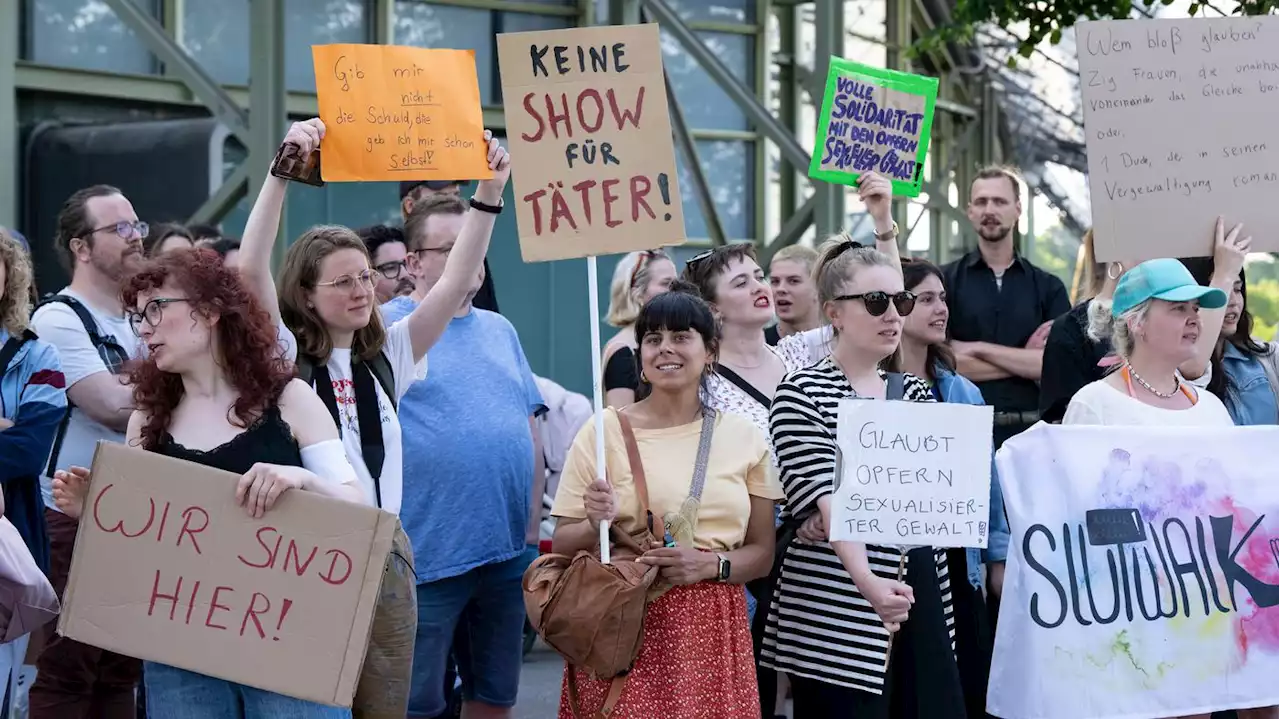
<point>99,239</point>
<point>387,251</point>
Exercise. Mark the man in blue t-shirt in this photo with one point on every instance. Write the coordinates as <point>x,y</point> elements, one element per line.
<point>470,463</point>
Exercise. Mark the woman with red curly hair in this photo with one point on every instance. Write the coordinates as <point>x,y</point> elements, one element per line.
<point>215,391</point>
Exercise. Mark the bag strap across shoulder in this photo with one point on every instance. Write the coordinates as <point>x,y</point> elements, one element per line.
<point>704,452</point>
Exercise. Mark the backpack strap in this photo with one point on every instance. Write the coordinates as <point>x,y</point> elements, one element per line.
<point>11,347</point>
<point>895,385</point>
<point>112,354</point>
<point>381,368</point>
<point>368,415</point>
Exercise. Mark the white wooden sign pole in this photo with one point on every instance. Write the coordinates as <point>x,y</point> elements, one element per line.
<point>597,387</point>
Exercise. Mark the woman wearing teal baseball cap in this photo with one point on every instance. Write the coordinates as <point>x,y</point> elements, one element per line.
<point>1153,326</point>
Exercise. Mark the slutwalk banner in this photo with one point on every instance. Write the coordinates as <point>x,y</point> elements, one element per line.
<point>1142,572</point>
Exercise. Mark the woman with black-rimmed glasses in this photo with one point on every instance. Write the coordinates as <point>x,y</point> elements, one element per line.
<point>215,391</point>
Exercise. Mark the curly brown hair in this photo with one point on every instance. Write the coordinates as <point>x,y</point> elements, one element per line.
<point>15,302</point>
<point>244,331</point>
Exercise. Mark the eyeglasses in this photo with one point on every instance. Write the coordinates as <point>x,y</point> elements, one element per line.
<point>152,312</point>
<point>705,254</point>
<point>347,283</point>
<point>437,250</point>
<point>391,270</point>
<point>877,302</point>
<point>126,230</point>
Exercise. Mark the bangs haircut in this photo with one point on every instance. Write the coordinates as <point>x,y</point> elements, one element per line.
<point>679,309</point>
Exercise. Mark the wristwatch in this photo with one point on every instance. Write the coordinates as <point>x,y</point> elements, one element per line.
<point>722,571</point>
<point>886,235</point>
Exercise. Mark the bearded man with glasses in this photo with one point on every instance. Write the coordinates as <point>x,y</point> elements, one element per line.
<point>99,239</point>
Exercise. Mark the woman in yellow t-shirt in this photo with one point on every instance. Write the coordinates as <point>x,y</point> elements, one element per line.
<point>696,658</point>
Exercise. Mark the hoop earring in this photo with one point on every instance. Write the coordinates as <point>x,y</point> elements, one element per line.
<point>643,378</point>
<point>1114,270</point>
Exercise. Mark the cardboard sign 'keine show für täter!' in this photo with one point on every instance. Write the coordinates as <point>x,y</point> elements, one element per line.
<point>168,568</point>
<point>595,167</point>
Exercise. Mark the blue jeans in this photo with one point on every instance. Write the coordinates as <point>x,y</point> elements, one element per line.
<point>480,615</point>
<point>174,693</point>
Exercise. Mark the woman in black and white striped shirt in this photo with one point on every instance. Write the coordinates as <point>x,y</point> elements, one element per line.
<point>835,606</point>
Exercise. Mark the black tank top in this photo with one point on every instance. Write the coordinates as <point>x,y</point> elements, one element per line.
<point>268,440</point>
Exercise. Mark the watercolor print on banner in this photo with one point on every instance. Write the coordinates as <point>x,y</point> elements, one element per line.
<point>1142,573</point>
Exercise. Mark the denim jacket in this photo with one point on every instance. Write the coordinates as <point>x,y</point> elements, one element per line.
<point>955,388</point>
<point>33,396</point>
<point>1250,397</point>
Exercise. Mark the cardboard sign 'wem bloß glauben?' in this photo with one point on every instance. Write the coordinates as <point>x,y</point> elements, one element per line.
<point>587,120</point>
<point>168,568</point>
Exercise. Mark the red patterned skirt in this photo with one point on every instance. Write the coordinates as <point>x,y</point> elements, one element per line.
<point>695,661</point>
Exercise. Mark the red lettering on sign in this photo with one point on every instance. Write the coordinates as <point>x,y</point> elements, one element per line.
<point>187,529</point>
<point>578,207</point>
<point>191,606</point>
<point>270,561</point>
<point>292,551</point>
<point>640,187</point>
<point>214,606</point>
<point>609,198</point>
<point>337,554</point>
<point>173,598</point>
<point>252,613</point>
<point>557,112</point>
<point>284,611</point>
<point>119,526</point>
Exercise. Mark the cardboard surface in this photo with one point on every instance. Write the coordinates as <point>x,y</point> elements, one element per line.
<point>913,474</point>
<point>594,164</point>
<point>874,120</point>
<point>168,568</point>
<point>1180,123</point>
<point>399,113</point>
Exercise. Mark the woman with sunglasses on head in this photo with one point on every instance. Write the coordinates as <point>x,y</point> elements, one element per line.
<point>835,654</point>
<point>215,391</point>
<point>744,376</point>
<point>638,278</point>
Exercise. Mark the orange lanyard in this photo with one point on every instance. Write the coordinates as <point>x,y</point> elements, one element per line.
<point>1182,387</point>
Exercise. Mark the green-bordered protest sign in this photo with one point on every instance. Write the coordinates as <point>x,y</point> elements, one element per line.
<point>874,120</point>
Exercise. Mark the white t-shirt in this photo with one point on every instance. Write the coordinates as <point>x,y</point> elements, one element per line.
<point>1100,403</point>
<point>399,351</point>
<point>58,324</point>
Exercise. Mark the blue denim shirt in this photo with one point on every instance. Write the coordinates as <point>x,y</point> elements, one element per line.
<point>1250,398</point>
<point>954,388</point>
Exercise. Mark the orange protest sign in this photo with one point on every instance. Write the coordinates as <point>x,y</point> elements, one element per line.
<point>396,113</point>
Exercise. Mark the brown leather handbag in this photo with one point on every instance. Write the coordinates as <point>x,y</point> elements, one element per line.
<point>591,613</point>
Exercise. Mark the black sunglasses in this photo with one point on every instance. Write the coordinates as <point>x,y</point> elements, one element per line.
<point>877,302</point>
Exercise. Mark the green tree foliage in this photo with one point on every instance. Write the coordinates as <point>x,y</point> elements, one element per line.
<point>1046,19</point>
<point>1264,303</point>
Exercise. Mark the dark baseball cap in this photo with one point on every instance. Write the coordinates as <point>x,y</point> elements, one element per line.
<point>435,185</point>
